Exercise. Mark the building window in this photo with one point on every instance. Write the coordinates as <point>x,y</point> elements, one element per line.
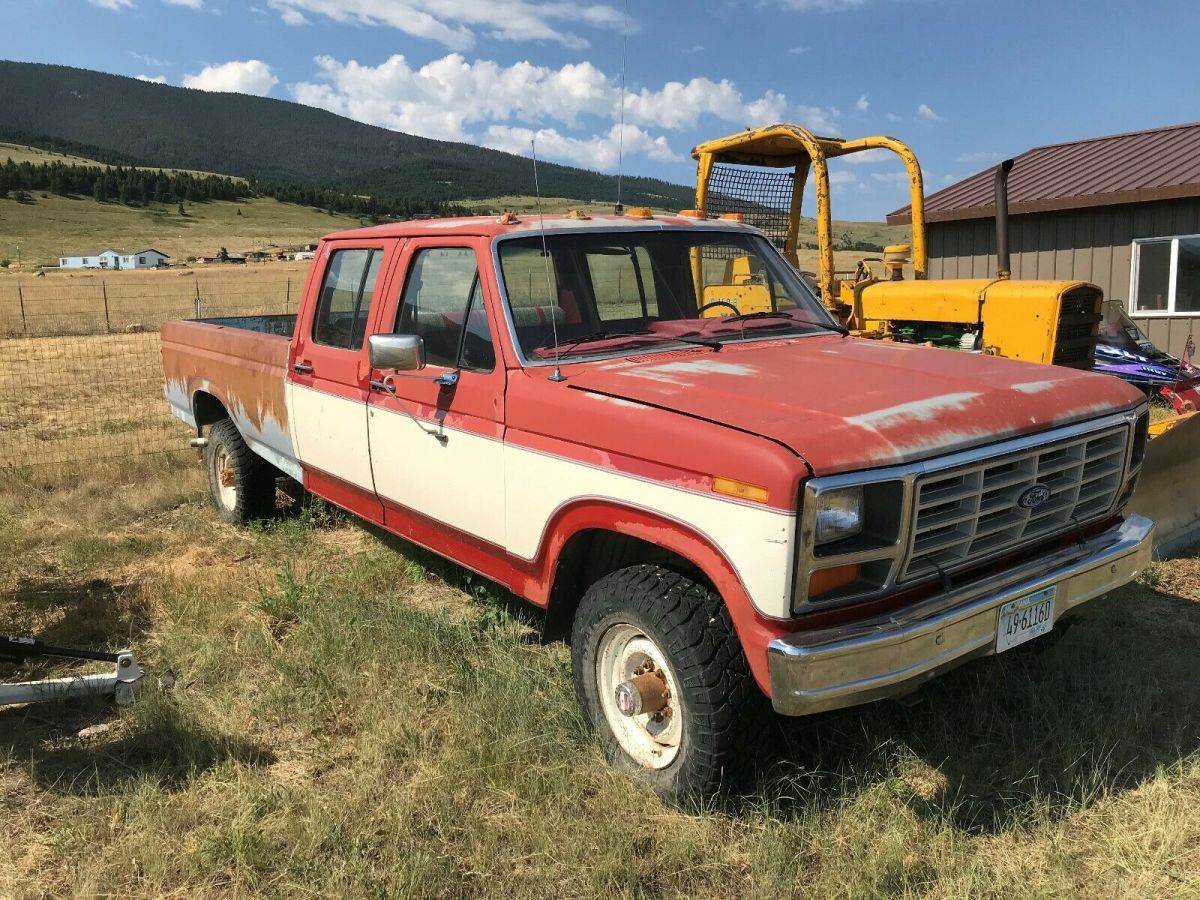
<point>1165,279</point>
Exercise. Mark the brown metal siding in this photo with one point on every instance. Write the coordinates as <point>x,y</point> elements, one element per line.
<point>1088,244</point>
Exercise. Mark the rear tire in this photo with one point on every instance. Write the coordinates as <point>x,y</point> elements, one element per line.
<point>649,619</point>
<point>241,484</point>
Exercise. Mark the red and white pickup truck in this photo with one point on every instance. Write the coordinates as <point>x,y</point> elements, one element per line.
<point>650,426</point>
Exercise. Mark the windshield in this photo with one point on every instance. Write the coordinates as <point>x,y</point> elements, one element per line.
<point>606,292</point>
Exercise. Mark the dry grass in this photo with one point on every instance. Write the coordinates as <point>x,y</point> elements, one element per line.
<point>352,718</point>
<point>50,226</point>
<point>20,153</point>
<point>82,302</point>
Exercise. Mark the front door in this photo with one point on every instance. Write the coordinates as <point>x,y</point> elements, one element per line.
<point>328,381</point>
<point>437,434</point>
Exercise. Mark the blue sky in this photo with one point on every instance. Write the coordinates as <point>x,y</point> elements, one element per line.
<point>965,82</point>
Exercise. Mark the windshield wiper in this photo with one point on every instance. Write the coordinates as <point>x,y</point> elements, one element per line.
<point>776,314</point>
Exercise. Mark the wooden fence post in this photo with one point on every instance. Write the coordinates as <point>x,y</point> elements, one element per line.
<point>287,300</point>
<point>107,322</point>
<point>199,307</point>
<point>21,300</point>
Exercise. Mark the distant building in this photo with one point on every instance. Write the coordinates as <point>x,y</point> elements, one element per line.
<point>1122,212</point>
<point>116,259</point>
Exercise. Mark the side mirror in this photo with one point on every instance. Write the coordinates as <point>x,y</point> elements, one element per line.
<point>399,352</point>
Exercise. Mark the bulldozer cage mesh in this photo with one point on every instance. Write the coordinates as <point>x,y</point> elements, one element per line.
<point>762,195</point>
<point>81,367</point>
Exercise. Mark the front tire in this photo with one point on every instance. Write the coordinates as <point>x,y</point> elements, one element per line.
<point>694,719</point>
<point>241,484</point>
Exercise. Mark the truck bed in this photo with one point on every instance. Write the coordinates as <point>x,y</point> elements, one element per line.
<point>277,324</point>
<point>233,366</point>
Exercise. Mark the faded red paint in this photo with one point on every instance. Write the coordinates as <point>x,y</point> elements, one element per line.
<point>243,369</point>
<point>846,404</point>
<point>770,413</point>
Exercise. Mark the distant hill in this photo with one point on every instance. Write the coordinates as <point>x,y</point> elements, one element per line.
<point>116,119</point>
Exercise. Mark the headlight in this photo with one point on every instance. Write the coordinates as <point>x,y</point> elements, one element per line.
<point>839,514</point>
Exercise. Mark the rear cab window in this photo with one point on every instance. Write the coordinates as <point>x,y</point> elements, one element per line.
<point>344,303</point>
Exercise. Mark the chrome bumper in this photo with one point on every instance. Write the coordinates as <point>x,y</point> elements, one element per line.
<point>891,655</point>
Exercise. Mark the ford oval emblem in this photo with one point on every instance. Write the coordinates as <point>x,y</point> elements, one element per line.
<point>1033,497</point>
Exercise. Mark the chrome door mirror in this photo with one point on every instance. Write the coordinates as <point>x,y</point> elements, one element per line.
<point>398,352</point>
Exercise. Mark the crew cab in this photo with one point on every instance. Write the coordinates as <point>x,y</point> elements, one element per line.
<point>650,426</point>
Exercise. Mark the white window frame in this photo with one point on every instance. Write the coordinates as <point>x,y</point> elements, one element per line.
<point>1173,274</point>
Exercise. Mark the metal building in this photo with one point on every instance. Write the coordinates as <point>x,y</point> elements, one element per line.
<point>1120,211</point>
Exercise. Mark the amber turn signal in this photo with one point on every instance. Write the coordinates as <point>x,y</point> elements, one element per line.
<point>740,489</point>
<point>823,581</point>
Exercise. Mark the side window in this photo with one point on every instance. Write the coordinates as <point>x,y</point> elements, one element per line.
<point>345,300</point>
<point>443,303</point>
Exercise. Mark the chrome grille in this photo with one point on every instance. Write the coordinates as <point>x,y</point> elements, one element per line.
<point>971,512</point>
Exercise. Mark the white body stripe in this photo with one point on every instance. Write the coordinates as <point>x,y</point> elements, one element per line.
<point>757,541</point>
<point>507,495</point>
<point>330,433</point>
<point>457,478</point>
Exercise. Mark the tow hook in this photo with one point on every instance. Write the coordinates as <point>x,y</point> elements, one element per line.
<point>643,694</point>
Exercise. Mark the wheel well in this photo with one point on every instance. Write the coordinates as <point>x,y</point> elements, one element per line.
<point>591,554</point>
<point>207,409</point>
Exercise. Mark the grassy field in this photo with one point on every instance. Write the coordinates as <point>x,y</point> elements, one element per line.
<point>20,153</point>
<point>352,718</point>
<point>51,226</point>
<point>88,301</point>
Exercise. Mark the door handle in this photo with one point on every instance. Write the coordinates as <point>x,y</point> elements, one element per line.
<point>302,368</point>
<point>383,387</point>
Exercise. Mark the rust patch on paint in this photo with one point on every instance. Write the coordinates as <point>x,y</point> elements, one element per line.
<point>246,369</point>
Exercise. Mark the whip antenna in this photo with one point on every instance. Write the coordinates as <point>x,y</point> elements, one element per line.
<point>550,292</point>
<point>621,128</point>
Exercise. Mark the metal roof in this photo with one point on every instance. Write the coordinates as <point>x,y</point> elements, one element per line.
<point>1156,164</point>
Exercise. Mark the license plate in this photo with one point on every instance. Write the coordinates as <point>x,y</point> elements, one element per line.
<point>1025,618</point>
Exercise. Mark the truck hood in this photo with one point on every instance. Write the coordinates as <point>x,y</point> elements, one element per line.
<point>846,404</point>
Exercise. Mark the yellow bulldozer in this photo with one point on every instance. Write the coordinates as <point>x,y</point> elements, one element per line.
<point>759,176</point>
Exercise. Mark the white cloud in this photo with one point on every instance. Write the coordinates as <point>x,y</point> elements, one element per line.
<point>190,4</point>
<point>820,5</point>
<point>114,5</point>
<point>862,104</point>
<point>457,23</point>
<point>696,48</point>
<point>983,156</point>
<point>925,113</point>
<point>796,51</point>
<point>891,177</point>
<point>596,152</point>
<point>153,79</point>
<point>445,98</point>
<point>892,117</point>
<point>149,60</point>
<point>842,178</point>
<point>868,157</point>
<point>251,76</point>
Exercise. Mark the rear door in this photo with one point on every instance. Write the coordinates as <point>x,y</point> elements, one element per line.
<point>437,434</point>
<point>328,380</point>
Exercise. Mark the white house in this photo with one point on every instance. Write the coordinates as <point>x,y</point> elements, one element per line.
<point>116,259</point>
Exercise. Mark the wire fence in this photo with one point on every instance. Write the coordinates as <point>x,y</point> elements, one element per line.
<point>81,367</point>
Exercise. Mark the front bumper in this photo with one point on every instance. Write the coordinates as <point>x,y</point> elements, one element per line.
<point>814,671</point>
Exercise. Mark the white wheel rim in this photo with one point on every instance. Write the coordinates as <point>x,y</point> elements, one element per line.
<point>652,740</point>
<point>226,487</point>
